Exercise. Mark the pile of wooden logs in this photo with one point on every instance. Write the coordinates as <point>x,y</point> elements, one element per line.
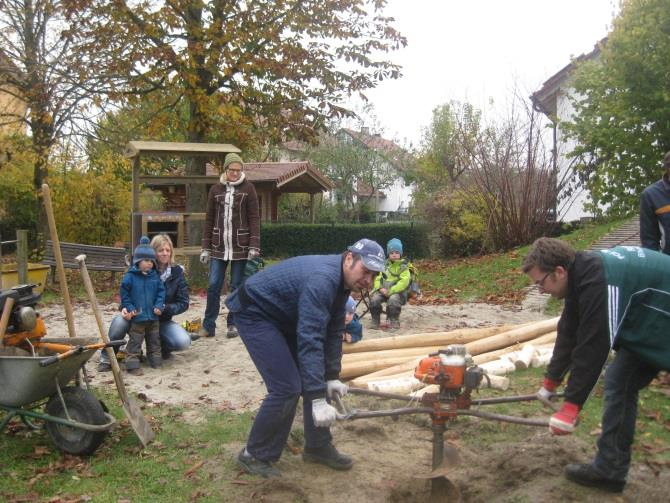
<point>387,364</point>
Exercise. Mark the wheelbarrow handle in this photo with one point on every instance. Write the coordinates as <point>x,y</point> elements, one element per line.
<point>76,350</point>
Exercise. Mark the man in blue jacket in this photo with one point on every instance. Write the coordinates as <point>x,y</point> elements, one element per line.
<point>290,317</point>
<point>655,213</point>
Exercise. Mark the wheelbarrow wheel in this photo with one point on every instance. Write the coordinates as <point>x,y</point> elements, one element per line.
<point>83,407</point>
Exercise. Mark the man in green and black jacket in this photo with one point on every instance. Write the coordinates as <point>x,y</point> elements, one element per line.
<point>617,298</point>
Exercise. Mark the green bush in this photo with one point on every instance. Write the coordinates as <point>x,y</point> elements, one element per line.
<point>458,223</point>
<point>287,240</point>
<point>18,199</point>
<point>91,207</point>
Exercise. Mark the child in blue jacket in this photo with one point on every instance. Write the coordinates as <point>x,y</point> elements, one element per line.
<point>353,329</point>
<point>143,295</point>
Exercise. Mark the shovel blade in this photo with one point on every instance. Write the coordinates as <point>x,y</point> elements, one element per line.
<point>138,421</point>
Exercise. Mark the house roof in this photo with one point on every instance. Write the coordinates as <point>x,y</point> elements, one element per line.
<point>544,100</point>
<point>297,176</point>
<point>364,190</point>
<point>376,142</point>
<point>373,141</point>
<point>295,146</point>
<point>167,148</point>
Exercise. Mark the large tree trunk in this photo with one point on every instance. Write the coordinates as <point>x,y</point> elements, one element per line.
<point>196,194</point>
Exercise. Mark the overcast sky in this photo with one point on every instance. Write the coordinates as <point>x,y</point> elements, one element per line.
<point>474,50</point>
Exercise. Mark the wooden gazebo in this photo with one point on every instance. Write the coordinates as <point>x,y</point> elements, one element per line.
<point>212,152</point>
<point>271,180</point>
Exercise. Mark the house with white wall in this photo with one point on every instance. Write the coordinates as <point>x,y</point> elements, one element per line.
<point>392,202</point>
<point>555,100</point>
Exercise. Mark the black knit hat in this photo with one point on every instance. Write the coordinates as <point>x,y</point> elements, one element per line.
<point>144,251</point>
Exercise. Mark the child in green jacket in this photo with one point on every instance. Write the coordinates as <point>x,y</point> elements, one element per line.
<point>391,286</point>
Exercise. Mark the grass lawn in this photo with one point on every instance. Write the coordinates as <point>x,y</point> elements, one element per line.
<point>491,278</point>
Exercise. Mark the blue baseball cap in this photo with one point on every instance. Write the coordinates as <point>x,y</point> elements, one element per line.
<point>371,253</point>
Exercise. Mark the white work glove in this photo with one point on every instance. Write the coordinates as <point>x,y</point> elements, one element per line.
<point>253,253</point>
<point>204,257</point>
<point>546,393</point>
<point>323,413</point>
<point>336,386</point>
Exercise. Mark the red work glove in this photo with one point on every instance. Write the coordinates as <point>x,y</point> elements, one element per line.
<point>546,392</point>
<point>565,420</point>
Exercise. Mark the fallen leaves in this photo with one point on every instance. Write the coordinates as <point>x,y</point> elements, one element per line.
<point>189,473</point>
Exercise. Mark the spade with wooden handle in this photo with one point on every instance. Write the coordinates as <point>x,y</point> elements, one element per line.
<point>130,407</point>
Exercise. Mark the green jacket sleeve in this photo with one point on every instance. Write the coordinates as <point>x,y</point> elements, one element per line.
<point>378,282</point>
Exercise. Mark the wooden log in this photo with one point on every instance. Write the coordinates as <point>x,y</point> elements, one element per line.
<point>459,336</point>
<point>390,353</point>
<point>362,382</point>
<point>494,355</point>
<point>395,369</point>
<point>542,357</point>
<point>524,357</point>
<point>409,365</point>
<point>357,369</point>
<point>494,382</point>
<point>402,386</point>
<point>498,367</point>
<point>511,337</point>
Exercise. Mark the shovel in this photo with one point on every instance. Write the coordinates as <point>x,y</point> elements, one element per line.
<point>130,407</point>
<point>73,350</point>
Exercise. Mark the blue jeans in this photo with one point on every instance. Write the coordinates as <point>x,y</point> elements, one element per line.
<point>173,337</point>
<point>275,358</point>
<point>217,272</point>
<point>624,378</point>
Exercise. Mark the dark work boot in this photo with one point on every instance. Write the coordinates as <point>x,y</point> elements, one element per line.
<point>375,315</point>
<point>155,361</point>
<point>255,466</point>
<point>586,475</point>
<point>327,455</point>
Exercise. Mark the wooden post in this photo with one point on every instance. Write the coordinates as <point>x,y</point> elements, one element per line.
<point>60,269</point>
<point>312,209</point>
<point>22,255</point>
<point>136,199</point>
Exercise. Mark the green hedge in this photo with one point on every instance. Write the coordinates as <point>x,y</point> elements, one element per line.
<point>288,240</point>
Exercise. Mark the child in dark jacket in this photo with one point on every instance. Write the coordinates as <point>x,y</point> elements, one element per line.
<point>143,295</point>
<point>353,329</point>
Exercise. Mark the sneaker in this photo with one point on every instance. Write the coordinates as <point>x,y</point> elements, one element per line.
<point>232,332</point>
<point>329,456</point>
<point>203,332</point>
<point>586,475</point>
<point>135,372</point>
<point>255,466</point>
<point>104,367</point>
<point>155,362</point>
